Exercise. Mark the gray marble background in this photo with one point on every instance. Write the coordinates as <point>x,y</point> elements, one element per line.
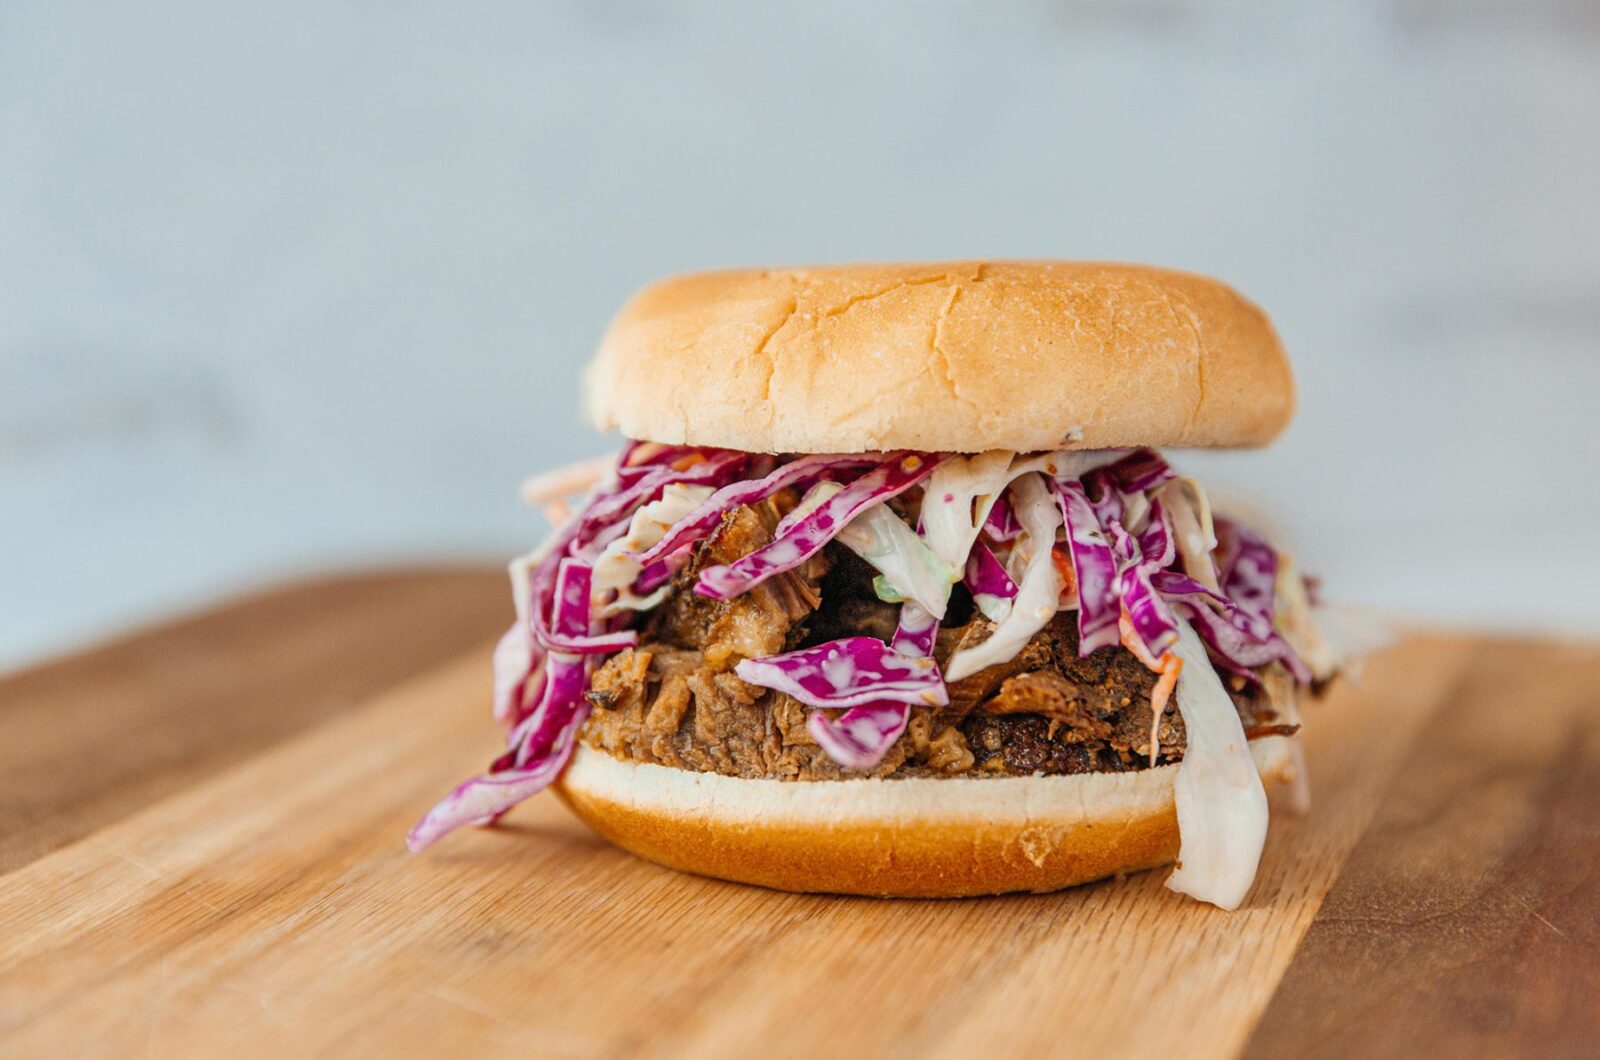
<point>293,286</point>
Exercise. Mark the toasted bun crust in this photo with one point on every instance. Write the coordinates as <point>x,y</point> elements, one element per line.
<point>956,357</point>
<point>914,838</point>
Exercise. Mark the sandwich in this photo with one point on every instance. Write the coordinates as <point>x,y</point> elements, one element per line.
<point>892,591</point>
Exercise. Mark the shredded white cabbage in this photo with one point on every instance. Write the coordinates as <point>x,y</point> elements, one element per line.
<point>1291,616</point>
<point>815,498</point>
<point>949,522</point>
<point>910,568</point>
<point>1189,510</point>
<point>995,608</point>
<point>961,492</point>
<point>1222,806</point>
<point>617,568</point>
<point>1038,590</point>
<point>1284,692</point>
<point>1352,634</point>
<point>521,572</point>
<point>1068,463</point>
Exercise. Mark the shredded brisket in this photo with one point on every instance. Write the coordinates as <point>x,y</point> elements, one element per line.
<point>675,701</point>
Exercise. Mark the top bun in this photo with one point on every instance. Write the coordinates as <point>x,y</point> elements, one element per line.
<point>954,357</point>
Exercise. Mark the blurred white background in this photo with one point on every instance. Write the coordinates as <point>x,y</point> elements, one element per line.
<point>287,287</point>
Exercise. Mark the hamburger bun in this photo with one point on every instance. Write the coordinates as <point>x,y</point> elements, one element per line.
<point>953,357</point>
<point>915,837</point>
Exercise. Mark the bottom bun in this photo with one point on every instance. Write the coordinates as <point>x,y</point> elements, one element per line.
<point>914,838</point>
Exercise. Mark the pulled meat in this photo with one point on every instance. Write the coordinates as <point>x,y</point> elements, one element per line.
<point>753,624</point>
<point>675,701</point>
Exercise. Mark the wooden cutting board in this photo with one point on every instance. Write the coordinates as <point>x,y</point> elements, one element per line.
<point>200,835</point>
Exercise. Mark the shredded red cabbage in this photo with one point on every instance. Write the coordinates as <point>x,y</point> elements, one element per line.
<point>986,578</point>
<point>914,637</point>
<point>1140,471</point>
<point>542,742</point>
<point>608,511</point>
<point>848,672</point>
<point>1248,573</point>
<point>1001,524</point>
<point>515,662</point>
<point>482,800</point>
<point>542,664</point>
<point>1094,568</point>
<point>1226,629</point>
<point>704,519</point>
<point>806,537</point>
<point>566,674</point>
<point>861,736</point>
<point>1148,613</point>
<point>657,574</point>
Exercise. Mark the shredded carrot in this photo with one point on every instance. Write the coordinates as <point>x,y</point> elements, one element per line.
<point>1171,666</point>
<point>567,480</point>
<point>1063,561</point>
<point>1168,666</point>
<point>684,463</point>
<point>557,511</point>
<point>1131,641</point>
<point>644,452</point>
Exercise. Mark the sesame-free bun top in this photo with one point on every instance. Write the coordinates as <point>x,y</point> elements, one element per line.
<point>955,357</point>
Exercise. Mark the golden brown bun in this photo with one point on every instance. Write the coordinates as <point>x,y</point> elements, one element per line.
<point>913,838</point>
<point>957,357</point>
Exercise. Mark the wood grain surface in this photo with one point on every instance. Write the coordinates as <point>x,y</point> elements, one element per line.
<point>1466,921</point>
<point>88,739</point>
<point>184,881</point>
